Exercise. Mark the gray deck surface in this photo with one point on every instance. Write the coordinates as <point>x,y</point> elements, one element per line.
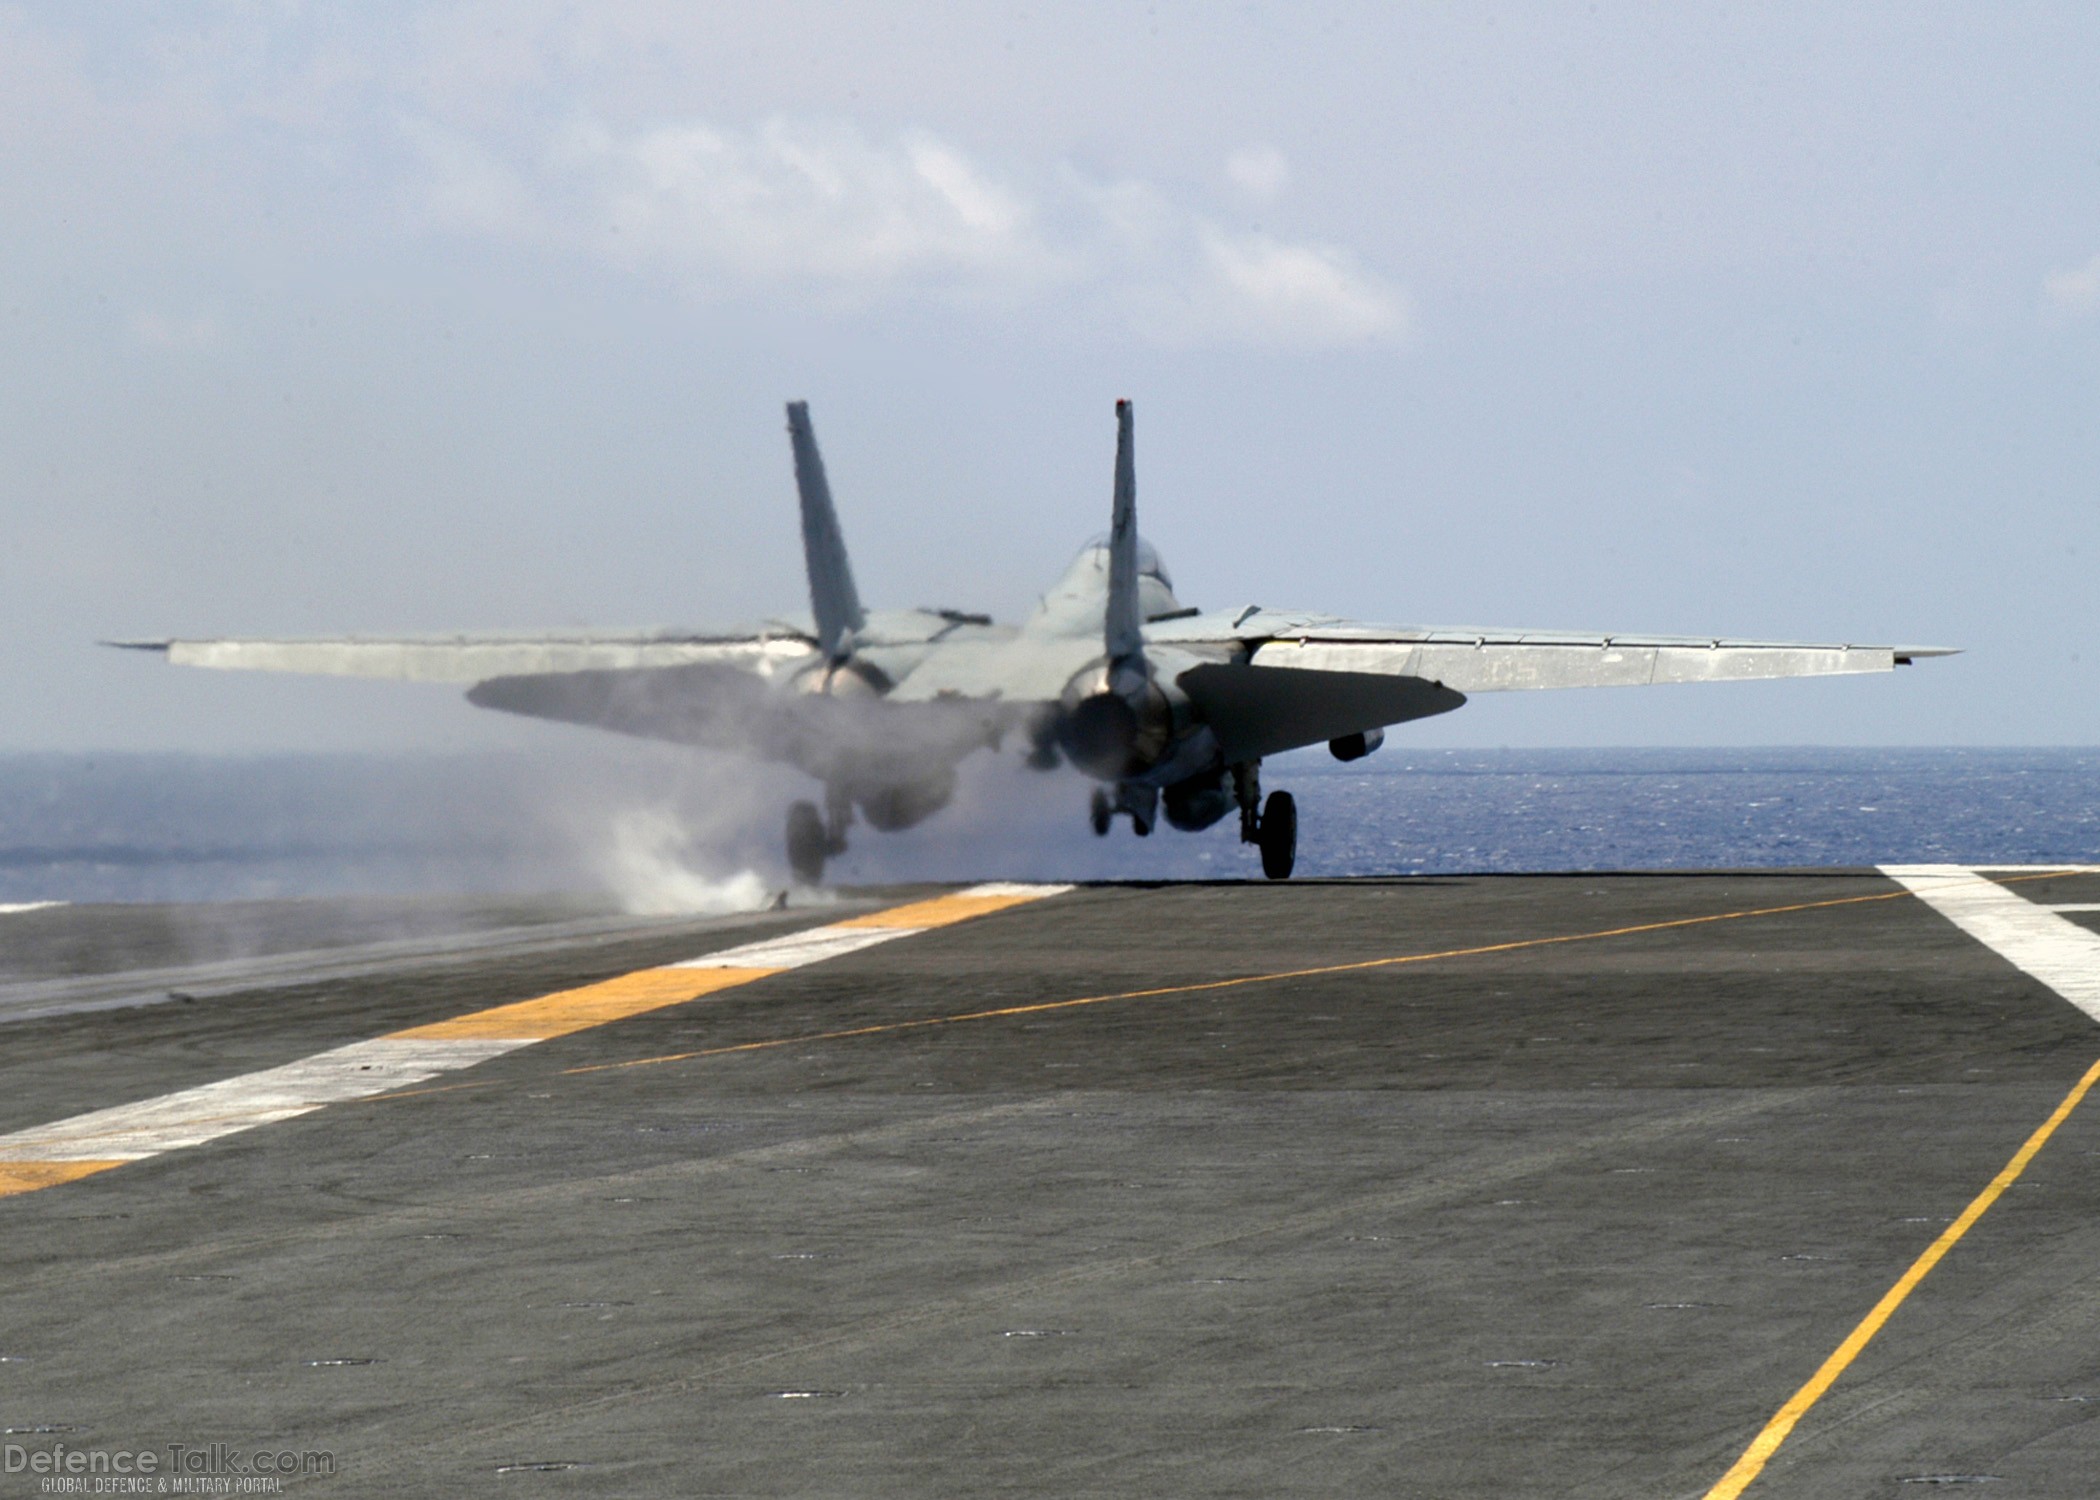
<point>1565,1220</point>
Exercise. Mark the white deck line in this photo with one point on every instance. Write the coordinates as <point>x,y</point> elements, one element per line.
<point>798,948</point>
<point>2032,937</point>
<point>191,1117</point>
<point>8,908</point>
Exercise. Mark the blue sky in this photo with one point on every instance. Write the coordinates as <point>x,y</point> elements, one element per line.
<point>1750,320</point>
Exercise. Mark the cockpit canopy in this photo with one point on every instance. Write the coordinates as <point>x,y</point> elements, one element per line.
<point>1078,601</point>
<point>1149,565</point>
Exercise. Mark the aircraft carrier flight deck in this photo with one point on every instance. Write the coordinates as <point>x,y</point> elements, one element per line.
<point>1472,1186</point>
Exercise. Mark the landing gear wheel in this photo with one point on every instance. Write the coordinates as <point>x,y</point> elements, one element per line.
<point>1100,813</point>
<point>1278,836</point>
<point>808,842</point>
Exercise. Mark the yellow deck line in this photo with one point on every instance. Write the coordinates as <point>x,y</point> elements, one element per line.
<point>67,1150</point>
<point>2047,947</point>
<point>567,1011</point>
<point>1767,1442</point>
<point>28,1176</point>
<point>1238,981</point>
<point>942,911</point>
<point>46,1156</point>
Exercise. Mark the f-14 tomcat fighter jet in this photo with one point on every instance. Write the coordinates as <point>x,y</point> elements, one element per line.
<point>1167,707</point>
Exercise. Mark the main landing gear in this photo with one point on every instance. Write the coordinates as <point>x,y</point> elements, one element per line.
<point>813,836</point>
<point>1272,828</point>
<point>1278,836</point>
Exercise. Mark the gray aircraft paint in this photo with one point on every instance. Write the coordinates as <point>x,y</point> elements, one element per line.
<point>1124,630</point>
<point>833,599</point>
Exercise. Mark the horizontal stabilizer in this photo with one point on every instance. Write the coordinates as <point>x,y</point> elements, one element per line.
<point>1258,711</point>
<point>720,708</point>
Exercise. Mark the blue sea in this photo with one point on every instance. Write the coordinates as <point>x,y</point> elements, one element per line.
<point>653,827</point>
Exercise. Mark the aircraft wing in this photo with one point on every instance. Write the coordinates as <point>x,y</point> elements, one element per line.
<point>765,650</point>
<point>1480,660</point>
<point>1298,679</point>
<point>719,690</point>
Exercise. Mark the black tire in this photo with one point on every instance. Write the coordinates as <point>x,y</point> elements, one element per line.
<point>1101,813</point>
<point>1278,836</point>
<point>807,843</point>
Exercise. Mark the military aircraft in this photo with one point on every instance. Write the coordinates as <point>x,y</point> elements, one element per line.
<point>1167,707</point>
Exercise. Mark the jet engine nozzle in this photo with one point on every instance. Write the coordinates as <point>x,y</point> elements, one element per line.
<point>1099,735</point>
<point>846,679</point>
<point>1113,731</point>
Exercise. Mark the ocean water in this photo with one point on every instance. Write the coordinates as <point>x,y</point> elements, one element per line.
<point>656,828</point>
<point>1675,809</point>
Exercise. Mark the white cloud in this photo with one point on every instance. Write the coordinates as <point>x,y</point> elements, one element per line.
<point>796,202</point>
<point>1253,288</point>
<point>1261,172</point>
<point>819,210</point>
<point>2074,293</point>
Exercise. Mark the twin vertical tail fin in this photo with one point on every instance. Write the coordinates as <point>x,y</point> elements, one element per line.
<point>832,597</point>
<point>1123,627</point>
<point>835,601</point>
